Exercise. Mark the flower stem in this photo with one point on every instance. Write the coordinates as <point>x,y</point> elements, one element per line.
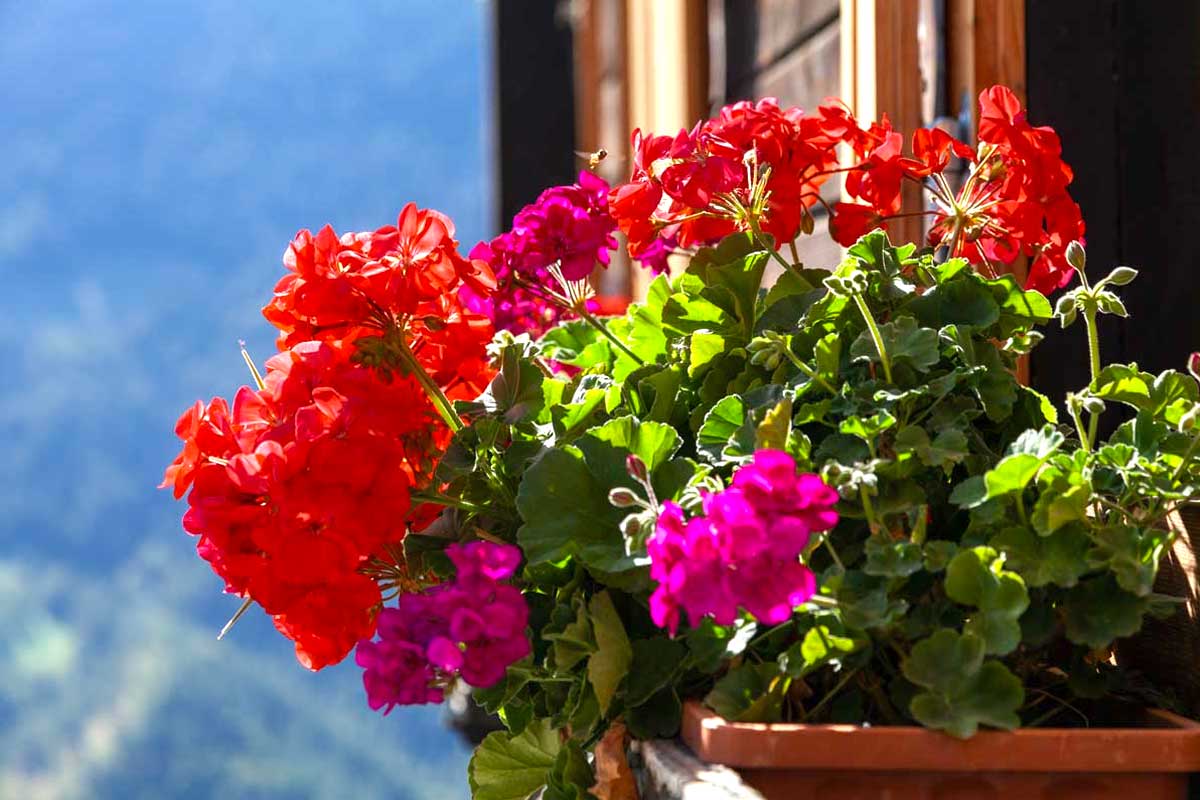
<point>600,326</point>
<point>1083,435</point>
<point>1187,456</point>
<point>242,609</point>
<point>443,405</point>
<point>833,553</point>
<point>762,242</point>
<point>822,600</point>
<point>868,509</point>
<point>1093,334</point>
<point>809,371</point>
<point>875,336</point>
<point>443,500</point>
<point>832,693</point>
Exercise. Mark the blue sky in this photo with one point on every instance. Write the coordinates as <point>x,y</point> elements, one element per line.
<point>157,158</point>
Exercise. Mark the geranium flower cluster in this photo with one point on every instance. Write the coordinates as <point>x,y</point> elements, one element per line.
<point>472,627</point>
<point>1013,201</point>
<point>566,230</point>
<point>698,186</point>
<point>303,487</point>
<point>401,281</point>
<point>298,485</point>
<point>744,551</point>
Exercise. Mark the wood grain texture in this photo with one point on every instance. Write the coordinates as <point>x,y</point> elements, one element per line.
<point>761,33</point>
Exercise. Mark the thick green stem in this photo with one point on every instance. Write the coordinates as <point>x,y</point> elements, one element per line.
<point>442,403</point>
<point>443,500</point>
<point>875,336</point>
<point>1093,334</point>
<point>833,553</point>
<point>822,600</point>
<point>809,371</point>
<point>832,693</point>
<point>1084,437</point>
<point>765,245</point>
<point>600,326</point>
<point>1187,456</point>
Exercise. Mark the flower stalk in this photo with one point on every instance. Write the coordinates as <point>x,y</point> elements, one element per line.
<point>876,336</point>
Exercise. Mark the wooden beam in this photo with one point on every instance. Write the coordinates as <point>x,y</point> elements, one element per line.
<point>881,75</point>
<point>986,46</point>
<point>667,48</point>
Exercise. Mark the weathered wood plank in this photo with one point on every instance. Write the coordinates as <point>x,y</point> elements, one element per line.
<point>668,770</point>
<point>759,33</point>
<point>1072,87</point>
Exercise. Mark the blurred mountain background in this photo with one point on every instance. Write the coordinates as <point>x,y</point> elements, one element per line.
<point>157,158</point>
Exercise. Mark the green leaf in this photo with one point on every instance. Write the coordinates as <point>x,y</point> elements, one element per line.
<point>1064,498</point>
<point>655,662</point>
<point>609,665</point>
<point>657,718</point>
<point>749,693</point>
<point>826,643</point>
<point>1014,472</point>
<point>773,432</point>
<point>1098,611</point>
<point>573,643</point>
<point>1124,383</point>
<point>658,393</point>
<point>711,644</point>
<point>516,391</point>
<point>605,448</point>
<point>904,342</point>
<point>717,440</point>
<point>971,493</point>
<point>976,577</point>
<point>947,448</point>
<point>566,512</point>
<point>571,776</point>
<point>998,393</point>
<point>570,418</point>
<point>864,602</point>
<point>867,428</point>
<point>506,767</point>
<point>576,343</point>
<point>892,558</point>
<point>1131,554</point>
<point>705,347</point>
<point>1173,395</point>
<point>732,274</point>
<point>962,691</point>
<point>828,354</point>
<point>966,301</point>
<point>938,554</point>
<point>1059,559</point>
<point>1019,309</point>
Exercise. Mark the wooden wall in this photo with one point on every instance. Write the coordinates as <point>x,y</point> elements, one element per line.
<point>1120,81</point>
<point>784,49</point>
<point>534,103</point>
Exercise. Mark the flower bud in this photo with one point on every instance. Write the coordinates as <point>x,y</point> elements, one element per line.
<point>807,222</point>
<point>636,468</point>
<point>1121,276</point>
<point>622,497</point>
<point>1076,256</point>
<point>631,526</point>
<point>1194,365</point>
<point>1188,420</point>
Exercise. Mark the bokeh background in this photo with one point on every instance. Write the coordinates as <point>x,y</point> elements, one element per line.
<point>156,160</point>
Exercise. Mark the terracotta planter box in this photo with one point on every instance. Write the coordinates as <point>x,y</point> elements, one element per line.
<point>846,762</point>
